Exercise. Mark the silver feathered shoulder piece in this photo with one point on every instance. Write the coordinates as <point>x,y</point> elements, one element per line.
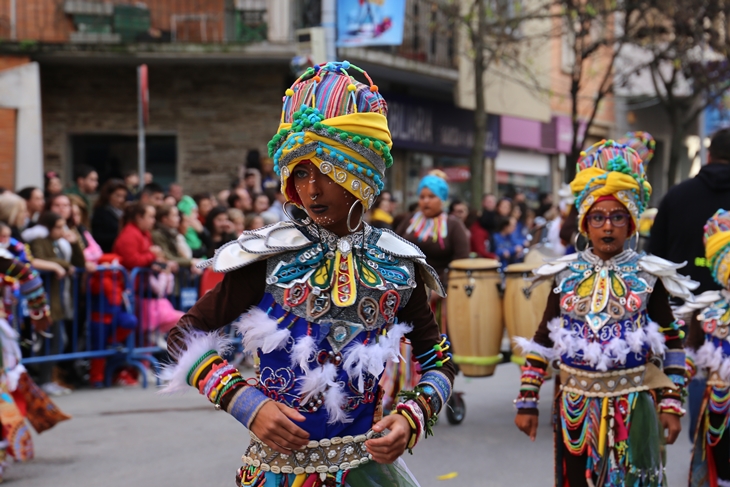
<point>675,283</point>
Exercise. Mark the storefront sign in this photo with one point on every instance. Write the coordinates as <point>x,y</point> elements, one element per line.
<point>436,127</point>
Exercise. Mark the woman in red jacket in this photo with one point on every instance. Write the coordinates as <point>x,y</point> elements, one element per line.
<point>134,246</point>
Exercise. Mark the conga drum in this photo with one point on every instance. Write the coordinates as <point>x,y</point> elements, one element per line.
<point>522,314</point>
<point>475,315</point>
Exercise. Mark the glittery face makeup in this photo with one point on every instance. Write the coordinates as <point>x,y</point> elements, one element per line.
<point>608,240</point>
<point>326,202</point>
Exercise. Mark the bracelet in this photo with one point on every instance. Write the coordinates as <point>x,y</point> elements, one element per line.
<point>525,403</point>
<point>230,384</point>
<point>215,379</point>
<point>200,361</point>
<point>220,384</point>
<point>412,422</point>
<point>199,371</point>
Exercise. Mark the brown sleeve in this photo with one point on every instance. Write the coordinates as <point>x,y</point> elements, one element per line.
<point>460,238</point>
<point>237,293</point>
<point>695,335</point>
<point>425,334</point>
<point>658,306</point>
<point>77,255</point>
<point>552,310</point>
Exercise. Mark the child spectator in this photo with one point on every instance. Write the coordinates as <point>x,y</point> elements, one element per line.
<point>504,244</point>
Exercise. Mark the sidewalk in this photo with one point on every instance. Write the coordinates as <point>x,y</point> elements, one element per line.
<point>136,438</point>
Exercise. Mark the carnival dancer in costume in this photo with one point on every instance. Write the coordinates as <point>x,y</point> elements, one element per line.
<point>606,323</point>
<point>324,302</point>
<point>708,353</point>
<point>16,440</point>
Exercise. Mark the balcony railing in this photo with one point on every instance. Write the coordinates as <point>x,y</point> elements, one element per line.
<point>128,21</point>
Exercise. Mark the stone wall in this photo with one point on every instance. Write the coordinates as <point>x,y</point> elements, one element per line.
<point>217,112</point>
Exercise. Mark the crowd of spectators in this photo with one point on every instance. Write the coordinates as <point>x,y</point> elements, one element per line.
<point>63,231</point>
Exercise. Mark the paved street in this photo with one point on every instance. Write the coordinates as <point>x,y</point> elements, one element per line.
<point>133,437</point>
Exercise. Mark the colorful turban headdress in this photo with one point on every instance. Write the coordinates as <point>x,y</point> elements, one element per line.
<point>435,181</point>
<point>610,169</point>
<point>717,246</point>
<point>641,142</point>
<point>338,124</point>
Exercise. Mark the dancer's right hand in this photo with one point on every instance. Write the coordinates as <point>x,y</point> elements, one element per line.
<point>527,423</point>
<point>274,427</point>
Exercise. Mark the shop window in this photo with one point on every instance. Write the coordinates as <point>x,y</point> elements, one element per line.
<point>114,155</point>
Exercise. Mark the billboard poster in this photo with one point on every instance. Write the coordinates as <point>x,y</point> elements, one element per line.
<point>370,22</point>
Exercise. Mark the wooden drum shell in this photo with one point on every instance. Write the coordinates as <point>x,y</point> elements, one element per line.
<point>522,315</point>
<point>475,315</point>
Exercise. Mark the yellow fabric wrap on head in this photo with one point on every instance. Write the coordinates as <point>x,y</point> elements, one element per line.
<point>348,166</point>
<point>598,182</point>
<point>714,245</point>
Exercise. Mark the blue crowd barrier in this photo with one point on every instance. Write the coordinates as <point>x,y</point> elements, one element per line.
<point>108,328</point>
<point>114,318</point>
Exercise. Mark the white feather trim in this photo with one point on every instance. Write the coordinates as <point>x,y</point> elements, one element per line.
<point>260,331</point>
<point>196,344</point>
<point>302,352</point>
<point>709,357</point>
<point>612,353</point>
<point>335,400</point>
<point>635,339</point>
<point>655,339</point>
<point>527,346</point>
<point>316,381</point>
<point>360,358</point>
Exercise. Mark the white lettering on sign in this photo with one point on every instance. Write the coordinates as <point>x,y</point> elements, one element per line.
<point>412,124</point>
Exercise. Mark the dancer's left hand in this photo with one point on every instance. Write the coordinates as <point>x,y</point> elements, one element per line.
<point>388,448</point>
<point>670,423</point>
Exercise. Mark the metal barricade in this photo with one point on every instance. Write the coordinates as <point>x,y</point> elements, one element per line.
<point>103,324</point>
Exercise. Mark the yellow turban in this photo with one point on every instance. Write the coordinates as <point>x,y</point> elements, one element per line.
<point>610,169</point>
<point>717,246</point>
<point>340,126</point>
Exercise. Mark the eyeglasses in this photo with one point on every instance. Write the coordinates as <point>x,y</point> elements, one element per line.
<point>597,220</point>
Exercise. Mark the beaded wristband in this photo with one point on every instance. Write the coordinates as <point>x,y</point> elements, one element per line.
<point>246,403</point>
<point>674,358</point>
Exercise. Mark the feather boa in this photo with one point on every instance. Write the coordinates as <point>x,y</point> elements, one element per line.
<point>372,358</point>
<point>260,331</point>
<point>613,353</point>
<point>196,344</point>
